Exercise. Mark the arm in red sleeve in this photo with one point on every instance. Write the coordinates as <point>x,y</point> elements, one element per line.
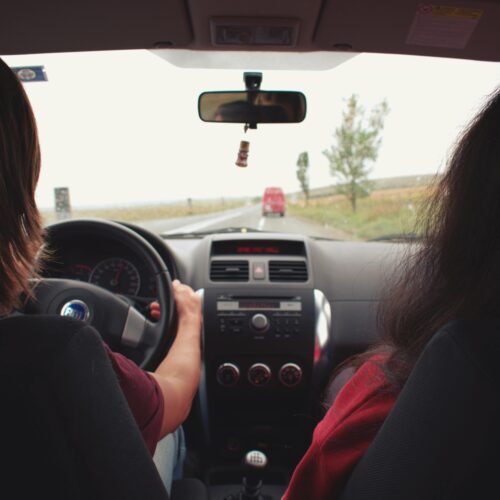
<point>343,436</point>
<point>143,396</point>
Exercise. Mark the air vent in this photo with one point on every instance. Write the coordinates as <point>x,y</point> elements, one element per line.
<point>229,270</point>
<point>287,270</point>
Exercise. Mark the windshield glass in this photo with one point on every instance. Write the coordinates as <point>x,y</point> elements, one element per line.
<point>121,139</point>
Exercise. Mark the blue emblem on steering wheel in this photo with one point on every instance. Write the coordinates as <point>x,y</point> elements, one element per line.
<point>76,309</point>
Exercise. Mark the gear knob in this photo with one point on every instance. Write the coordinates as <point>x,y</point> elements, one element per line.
<point>255,459</point>
<point>254,462</point>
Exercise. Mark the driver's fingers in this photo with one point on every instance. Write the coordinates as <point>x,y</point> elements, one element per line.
<point>181,290</point>
<point>187,301</point>
<point>154,310</point>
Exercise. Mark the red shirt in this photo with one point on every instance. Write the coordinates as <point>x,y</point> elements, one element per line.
<point>143,395</point>
<point>344,435</point>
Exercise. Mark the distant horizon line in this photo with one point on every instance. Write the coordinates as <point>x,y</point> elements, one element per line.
<point>178,201</point>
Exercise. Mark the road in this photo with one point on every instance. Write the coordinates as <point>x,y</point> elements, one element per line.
<point>249,217</point>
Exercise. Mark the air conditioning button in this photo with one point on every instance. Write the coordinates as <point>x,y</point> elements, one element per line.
<point>259,374</point>
<point>228,374</point>
<point>290,375</point>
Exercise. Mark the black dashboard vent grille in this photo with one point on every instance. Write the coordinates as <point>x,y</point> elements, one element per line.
<point>229,270</point>
<point>287,270</point>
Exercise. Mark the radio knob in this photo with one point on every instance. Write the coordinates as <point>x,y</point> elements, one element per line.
<point>259,374</point>
<point>260,322</point>
<point>228,374</point>
<point>290,374</point>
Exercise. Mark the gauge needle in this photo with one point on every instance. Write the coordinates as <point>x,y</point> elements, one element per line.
<point>116,279</point>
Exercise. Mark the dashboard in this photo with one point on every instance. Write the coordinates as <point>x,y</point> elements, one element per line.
<point>279,312</point>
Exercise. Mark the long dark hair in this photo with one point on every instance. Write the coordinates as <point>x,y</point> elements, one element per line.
<point>21,229</point>
<point>455,271</point>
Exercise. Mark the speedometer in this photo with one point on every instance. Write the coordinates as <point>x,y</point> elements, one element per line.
<point>117,275</point>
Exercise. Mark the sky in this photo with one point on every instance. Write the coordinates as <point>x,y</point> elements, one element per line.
<point>122,128</point>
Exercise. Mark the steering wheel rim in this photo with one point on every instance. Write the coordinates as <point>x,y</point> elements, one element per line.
<point>118,322</point>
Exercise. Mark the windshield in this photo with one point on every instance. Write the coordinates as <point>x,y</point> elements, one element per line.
<point>121,139</point>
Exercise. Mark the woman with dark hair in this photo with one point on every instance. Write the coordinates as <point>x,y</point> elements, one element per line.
<point>159,401</point>
<point>21,232</point>
<point>454,272</point>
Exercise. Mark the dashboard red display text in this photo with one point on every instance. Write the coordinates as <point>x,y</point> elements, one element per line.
<point>258,247</point>
<point>257,250</point>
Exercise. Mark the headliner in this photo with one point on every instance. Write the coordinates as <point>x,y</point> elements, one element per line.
<point>346,27</point>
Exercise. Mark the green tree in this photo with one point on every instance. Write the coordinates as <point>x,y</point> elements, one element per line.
<point>357,141</point>
<point>303,174</point>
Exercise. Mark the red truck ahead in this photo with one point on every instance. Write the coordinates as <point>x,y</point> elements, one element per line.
<point>273,201</point>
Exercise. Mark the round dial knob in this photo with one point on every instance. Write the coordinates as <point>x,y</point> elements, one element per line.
<point>260,322</point>
<point>228,374</point>
<point>259,374</point>
<point>290,374</point>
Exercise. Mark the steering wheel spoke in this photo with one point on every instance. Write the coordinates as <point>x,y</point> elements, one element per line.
<point>134,328</point>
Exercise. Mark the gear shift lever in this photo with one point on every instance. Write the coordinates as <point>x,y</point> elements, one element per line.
<point>254,463</point>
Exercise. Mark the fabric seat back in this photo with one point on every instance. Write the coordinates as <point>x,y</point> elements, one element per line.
<point>66,429</point>
<point>442,438</point>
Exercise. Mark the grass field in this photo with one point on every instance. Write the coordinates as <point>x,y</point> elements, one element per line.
<point>150,212</point>
<point>407,181</point>
<point>385,212</point>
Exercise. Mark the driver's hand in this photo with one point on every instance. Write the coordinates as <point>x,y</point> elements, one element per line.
<point>188,305</point>
<point>185,299</point>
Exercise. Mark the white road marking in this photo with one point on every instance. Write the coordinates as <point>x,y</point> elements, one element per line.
<point>191,228</point>
<point>262,221</point>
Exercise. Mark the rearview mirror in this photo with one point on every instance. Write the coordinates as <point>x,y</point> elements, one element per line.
<point>252,107</point>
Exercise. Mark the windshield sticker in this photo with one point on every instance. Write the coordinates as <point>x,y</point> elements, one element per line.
<point>443,26</point>
<point>30,73</point>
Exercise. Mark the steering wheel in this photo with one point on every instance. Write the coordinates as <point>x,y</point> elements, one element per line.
<point>119,323</point>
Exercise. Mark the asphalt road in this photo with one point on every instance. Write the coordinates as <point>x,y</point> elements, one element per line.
<point>249,217</point>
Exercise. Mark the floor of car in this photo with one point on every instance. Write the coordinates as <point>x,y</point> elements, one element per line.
<point>269,492</point>
<point>225,482</point>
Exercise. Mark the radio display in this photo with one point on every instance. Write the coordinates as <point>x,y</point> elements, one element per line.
<point>258,305</point>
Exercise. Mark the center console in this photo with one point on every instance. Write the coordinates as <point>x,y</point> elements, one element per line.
<point>263,339</point>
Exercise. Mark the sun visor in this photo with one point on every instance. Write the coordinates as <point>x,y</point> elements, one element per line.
<point>34,26</point>
<point>467,30</point>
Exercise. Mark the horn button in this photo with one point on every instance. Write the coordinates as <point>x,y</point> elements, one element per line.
<point>102,309</point>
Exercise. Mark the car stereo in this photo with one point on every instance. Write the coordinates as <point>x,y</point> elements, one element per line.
<point>258,317</point>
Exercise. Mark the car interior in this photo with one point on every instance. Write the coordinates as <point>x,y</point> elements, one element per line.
<point>281,310</point>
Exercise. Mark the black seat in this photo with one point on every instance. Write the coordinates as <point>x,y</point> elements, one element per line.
<point>66,429</point>
<point>442,438</point>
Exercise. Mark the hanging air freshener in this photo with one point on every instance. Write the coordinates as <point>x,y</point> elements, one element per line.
<point>241,161</point>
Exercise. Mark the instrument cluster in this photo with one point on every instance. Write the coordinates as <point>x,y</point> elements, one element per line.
<point>116,274</point>
<point>111,267</point>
